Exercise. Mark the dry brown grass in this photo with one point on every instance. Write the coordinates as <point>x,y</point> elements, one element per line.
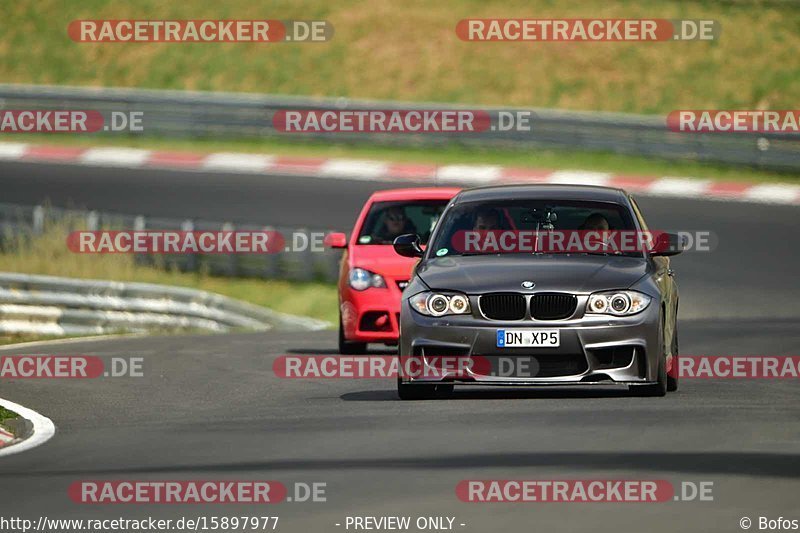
<point>409,50</point>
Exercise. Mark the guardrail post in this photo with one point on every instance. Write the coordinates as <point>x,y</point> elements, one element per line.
<point>38,219</point>
<point>92,221</point>
<point>232,266</point>
<point>139,224</point>
<point>191,260</point>
<point>306,263</point>
<point>271,263</point>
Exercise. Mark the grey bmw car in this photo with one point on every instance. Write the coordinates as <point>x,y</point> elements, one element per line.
<point>522,313</point>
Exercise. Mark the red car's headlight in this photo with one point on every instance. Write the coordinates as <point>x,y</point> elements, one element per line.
<point>361,279</point>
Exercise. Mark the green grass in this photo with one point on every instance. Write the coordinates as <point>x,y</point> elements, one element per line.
<point>48,255</point>
<point>5,415</point>
<point>452,154</point>
<point>409,51</point>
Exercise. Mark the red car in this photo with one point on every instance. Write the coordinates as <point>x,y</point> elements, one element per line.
<point>372,275</point>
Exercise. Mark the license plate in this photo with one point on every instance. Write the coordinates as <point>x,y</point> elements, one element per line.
<point>530,338</point>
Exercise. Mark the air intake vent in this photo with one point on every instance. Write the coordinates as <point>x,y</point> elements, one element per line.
<point>553,306</point>
<point>503,306</point>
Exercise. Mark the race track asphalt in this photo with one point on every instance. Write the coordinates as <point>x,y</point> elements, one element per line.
<point>210,407</point>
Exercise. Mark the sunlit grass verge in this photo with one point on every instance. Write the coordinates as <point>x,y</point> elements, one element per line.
<point>47,254</point>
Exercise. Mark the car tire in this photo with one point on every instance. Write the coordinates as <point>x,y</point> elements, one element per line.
<point>406,391</point>
<point>350,348</point>
<point>672,380</point>
<point>659,388</point>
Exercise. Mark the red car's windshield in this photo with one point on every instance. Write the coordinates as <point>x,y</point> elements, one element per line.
<point>387,220</point>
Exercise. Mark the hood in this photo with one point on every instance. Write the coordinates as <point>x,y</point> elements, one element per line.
<point>381,259</point>
<point>489,273</point>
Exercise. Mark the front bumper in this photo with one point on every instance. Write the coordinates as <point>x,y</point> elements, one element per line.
<point>372,315</point>
<point>593,350</point>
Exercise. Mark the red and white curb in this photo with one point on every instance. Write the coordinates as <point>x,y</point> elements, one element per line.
<point>355,169</point>
<point>43,430</point>
<point>6,438</point>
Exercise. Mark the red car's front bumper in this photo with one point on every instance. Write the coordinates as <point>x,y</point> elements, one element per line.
<point>372,315</point>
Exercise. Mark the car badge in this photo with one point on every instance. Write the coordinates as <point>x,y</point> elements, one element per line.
<point>528,284</point>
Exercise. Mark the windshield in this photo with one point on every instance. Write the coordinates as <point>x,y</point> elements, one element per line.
<point>387,220</point>
<point>529,226</point>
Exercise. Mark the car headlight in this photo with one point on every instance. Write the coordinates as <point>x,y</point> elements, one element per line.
<point>618,303</point>
<point>440,303</point>
<point>361,279</point>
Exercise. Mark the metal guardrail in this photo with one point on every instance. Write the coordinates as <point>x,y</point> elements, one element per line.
<point>232,115</point>
<point>304,265</point>
<point>49,305</point>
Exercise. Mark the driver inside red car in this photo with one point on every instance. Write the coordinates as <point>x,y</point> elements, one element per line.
<point>394,223</point>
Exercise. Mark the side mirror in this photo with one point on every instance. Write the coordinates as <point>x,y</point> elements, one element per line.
<point>667,244</point>
<point>408,245</point>
<point>335,240</point>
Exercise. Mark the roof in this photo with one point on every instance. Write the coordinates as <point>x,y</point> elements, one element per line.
<point>542,191</point>
<point>418,193</point>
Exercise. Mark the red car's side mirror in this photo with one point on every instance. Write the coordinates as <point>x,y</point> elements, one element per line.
<point>335,240</point>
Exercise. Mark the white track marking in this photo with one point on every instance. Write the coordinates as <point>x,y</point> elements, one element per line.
<point>686,187</point>
<point>580,177</point>
<point>354,169</point>
<point>773,193</point>
<point>115,157</point>
<point>12,150</point>
<point>71,340</point>
<point>234,162</point>
<point>469,173</point>
<point>43,429</point>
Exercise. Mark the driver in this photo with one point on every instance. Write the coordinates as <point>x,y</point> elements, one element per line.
<point>395,223</point>
<point>595,222</point>
<point>486,219</point>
